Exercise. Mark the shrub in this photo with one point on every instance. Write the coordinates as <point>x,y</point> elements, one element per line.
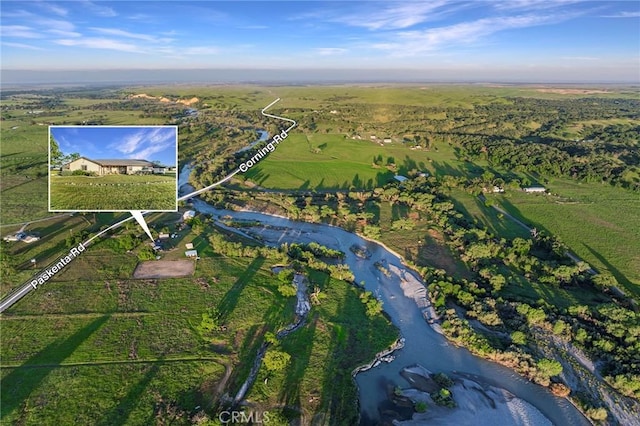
<point>558,389</point>
<point>598,414</point>
<point>519,338</point>
<point>275,360</point>
<point>287,290</point>
<point>443,397</point>
<point>83,173</point>
<point>421,406</point>
<point>443,380</point>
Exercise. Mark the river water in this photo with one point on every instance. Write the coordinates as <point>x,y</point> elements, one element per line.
<point>422,344</point>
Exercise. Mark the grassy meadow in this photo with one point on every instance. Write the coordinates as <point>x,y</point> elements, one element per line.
<point>24,153</point>
<point>600,223</point>
<point>113,192</point>
<point>331,162</point>
<point>115,350</point>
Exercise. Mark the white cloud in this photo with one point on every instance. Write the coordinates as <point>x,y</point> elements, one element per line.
<point>61,33</point>
<point>99,43</point>
<point>200,50</point>
<point>328,51</point>
<point>623,15</point>
<point>52,8</point>
<point>144,143</point>
<point>122,33</point>
<point>17,14</point>
<point>130,143</point>
<point>408,43</point>
<point>387,16</point>
<point>21,45</point>
<point>99,9</point>
<point>55,24</point>
<point>19,31</point>
<point>532,4</point>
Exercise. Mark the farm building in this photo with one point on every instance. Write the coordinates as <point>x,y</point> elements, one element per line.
<point>400,178</point>
<point>189,214</point>
<point>191,253</point>
<point>108,167</point>
<point>534,189</point>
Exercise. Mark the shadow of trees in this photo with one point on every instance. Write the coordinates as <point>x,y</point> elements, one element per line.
<point>22,381</point>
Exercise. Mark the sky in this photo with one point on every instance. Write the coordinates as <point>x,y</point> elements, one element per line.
<point>529,40</point>
<point>137,142</point>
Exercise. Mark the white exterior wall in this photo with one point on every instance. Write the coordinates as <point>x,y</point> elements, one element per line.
<point>91,166</point>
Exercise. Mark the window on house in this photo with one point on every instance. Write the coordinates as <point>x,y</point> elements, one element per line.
<point>84,167</point>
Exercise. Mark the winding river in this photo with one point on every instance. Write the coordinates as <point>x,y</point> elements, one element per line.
<point>422,344</point>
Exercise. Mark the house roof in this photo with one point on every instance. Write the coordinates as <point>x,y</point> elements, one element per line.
<point>123,162</point>
<point>117,162</point>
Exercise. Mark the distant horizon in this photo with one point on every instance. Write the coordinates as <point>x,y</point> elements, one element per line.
<point>289,76</point>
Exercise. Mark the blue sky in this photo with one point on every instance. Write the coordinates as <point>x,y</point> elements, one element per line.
<point>140,142</point>
<point>544,38</point>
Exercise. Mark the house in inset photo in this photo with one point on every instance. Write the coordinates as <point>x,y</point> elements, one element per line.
<point>113,166</point>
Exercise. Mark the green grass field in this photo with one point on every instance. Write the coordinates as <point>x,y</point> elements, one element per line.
<point>113,192</point>
<point>600,223</point>
<point>343,163</point>
<point>24,155</point>
<point>115,350</point>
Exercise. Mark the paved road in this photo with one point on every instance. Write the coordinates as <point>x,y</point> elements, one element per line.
<point>26,287</point>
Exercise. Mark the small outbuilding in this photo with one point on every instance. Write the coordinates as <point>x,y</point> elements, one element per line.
<point>189,246</point>
<point>189,214</point>
<point>400,178</point>
<point>191,253</point>
<point>535,189</point>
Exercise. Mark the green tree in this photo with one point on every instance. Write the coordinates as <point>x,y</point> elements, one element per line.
<point>57,158</point>
<point>519,338</point>
<point>146,253</point>
<point>549,367</point>
<point>287,290</point>
<point>497,282</point>
<point>276,360</point>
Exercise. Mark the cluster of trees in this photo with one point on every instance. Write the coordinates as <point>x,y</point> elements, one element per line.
<point>304,251</point>
<point>551,160</point>
<point>373,306</point>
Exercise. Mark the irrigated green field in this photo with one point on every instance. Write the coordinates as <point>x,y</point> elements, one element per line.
<point>318,161</point>
<point>113,192</point>
<point>600,223</point>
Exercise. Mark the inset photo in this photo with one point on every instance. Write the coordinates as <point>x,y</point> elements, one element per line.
<point>113,168</point>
